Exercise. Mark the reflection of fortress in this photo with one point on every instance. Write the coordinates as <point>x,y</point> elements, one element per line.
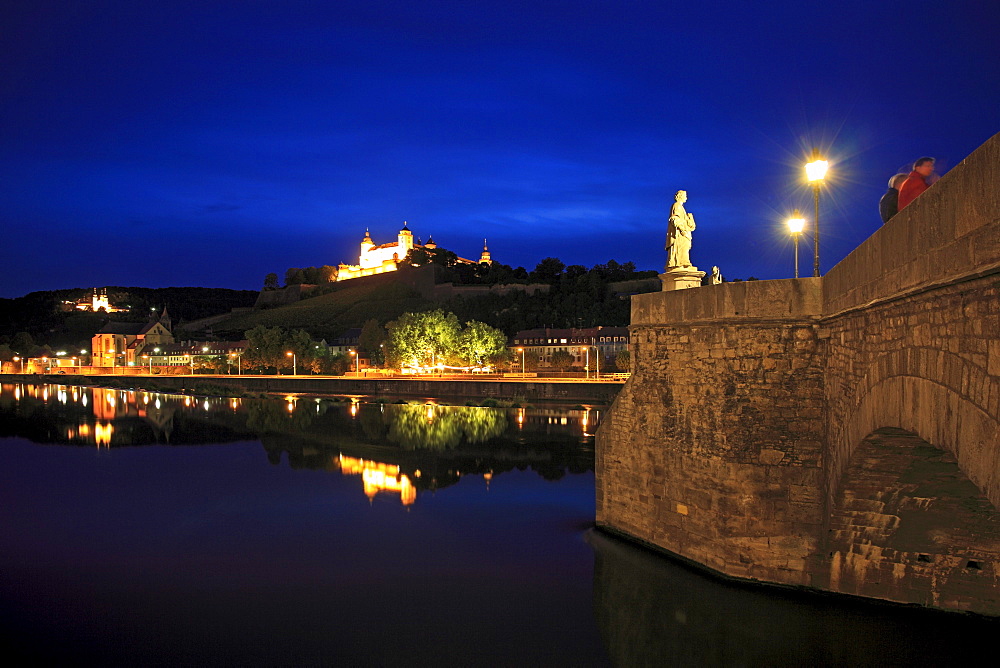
<point>378,477</point>
<point>386,257</point>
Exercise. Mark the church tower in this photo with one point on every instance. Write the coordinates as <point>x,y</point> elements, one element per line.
<point>484,258</point>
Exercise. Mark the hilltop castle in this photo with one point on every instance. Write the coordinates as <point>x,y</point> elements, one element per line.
<point>387,257</point>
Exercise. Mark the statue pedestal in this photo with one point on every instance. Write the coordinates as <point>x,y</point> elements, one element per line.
<point>679,278</point>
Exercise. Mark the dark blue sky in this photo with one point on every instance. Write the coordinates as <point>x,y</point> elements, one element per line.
<point>209,143</point>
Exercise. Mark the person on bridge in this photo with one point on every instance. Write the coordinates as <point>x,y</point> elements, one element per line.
<point>916,182</point>
<point>888,206</point>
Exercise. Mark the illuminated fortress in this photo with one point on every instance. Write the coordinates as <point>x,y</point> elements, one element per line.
<point>386,257</point>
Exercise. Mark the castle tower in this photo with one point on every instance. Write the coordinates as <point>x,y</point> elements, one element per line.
<point>405,241</point>
<point>484,258</point>
<point>430,243</point>
<point>367,244</point>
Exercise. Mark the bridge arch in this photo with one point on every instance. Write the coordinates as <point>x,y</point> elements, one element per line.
<point>935,394</point>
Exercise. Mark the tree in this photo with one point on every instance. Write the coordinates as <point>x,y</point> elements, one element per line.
<point>418,339</point>
<point>371,341</point>
<point>271,281</point>
<point>265,347</point>
<point>562,360</point>
<point>623,360</point>
<point>479,343</point>
<point>548,270</point>
<point>22,343</point>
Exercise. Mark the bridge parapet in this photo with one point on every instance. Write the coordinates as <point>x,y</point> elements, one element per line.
<point>949,234</point>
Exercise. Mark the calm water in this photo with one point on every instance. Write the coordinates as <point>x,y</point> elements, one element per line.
<point>162,529</point>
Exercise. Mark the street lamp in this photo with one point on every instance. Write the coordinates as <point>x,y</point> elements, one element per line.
<point>795,225</point>
<point>521,350</point>
<point>150,358</point>
<point>21,360</point>
<point>294,367</point>
<point>815,173</point>
<point>357,359</point>
<point>586,365</point>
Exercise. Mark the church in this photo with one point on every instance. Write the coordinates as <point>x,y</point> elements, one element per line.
<point>387,257</point>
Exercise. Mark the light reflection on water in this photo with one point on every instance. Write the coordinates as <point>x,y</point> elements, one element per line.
<point>367,533</point>
<point>324,433</point>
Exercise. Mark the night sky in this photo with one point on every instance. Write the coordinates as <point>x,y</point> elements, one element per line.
<point>209,143</point>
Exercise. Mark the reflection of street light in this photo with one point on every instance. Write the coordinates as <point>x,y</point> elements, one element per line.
<point>294,367</point>
<point>815,173</point>
<point>795,225</point>
<point>521,350</point>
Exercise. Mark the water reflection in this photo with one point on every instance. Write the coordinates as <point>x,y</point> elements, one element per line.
<point>653,611</point>
<point>396,449</point>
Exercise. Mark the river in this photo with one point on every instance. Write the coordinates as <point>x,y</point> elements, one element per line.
<point>162,529</point>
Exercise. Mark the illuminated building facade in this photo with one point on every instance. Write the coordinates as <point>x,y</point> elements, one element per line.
<point>122,343</point>
<point>539,344</point>
<point>96,301</point>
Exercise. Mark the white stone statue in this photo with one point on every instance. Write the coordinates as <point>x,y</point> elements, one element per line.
<point>679,231</point>
<point>716,276</point>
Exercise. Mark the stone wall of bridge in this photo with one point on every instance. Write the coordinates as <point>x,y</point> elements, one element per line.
<point>713,449</point>
<point>736,442</point>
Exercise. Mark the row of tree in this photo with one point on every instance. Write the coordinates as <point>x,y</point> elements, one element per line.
<point>435,337</point>
<point>270,349</point>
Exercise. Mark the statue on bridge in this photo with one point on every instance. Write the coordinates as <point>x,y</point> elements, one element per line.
<point>679,272</point>
<point>679,230</point>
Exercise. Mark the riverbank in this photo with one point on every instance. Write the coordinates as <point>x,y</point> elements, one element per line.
<point>524,390</point>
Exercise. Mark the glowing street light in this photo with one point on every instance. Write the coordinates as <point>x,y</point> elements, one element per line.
<point>795,225</point>
<point>294,367</point>
<point>586,365</point>
<point>150,358</point>
<point>20,359</point>
<point>815,173</point>
<point>521,350</point>
<point>357,360</point>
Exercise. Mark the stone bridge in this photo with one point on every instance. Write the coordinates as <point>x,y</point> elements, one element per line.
<point>840,433</point>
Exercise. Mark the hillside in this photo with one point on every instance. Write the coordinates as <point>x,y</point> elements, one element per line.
<point>329,315</point>
<point>40,314</point>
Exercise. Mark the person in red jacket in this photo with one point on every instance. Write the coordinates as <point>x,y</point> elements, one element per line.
<point>916,182</point>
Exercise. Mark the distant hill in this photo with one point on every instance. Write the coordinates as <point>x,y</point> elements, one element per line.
<point>40,314</point>
<point>347,304</point>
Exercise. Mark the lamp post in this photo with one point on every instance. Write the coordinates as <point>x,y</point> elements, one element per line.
<point>294,363</point>
<point>150,358</point>
<point>586,366</point>
<point>795,225</point>
<point>815,173</point>
<point>21,360</point>
<point>357,361</point>
<point>521,350</point>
